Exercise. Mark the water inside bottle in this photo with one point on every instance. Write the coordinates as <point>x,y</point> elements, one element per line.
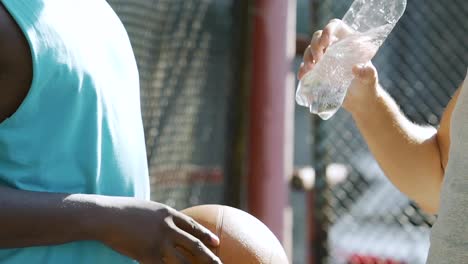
<point>323,89</point>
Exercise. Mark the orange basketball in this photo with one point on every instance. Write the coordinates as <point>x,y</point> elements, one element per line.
<point>243,238</point>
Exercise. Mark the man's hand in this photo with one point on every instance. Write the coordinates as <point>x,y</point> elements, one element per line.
<point>146,231</point>
<point>366,79</point>
<point>321,40</point>
<point>154,233</point>
<point>413,157</point>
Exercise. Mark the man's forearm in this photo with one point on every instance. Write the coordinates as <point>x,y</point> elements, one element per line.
<point>407,153</point>
<point>38,219</point>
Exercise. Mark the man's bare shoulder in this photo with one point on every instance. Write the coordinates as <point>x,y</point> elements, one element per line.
<point>15,65</point>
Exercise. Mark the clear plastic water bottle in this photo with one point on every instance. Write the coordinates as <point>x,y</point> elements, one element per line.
<point>324,88</point>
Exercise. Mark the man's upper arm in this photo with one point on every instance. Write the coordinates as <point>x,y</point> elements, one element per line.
<point>443,133</point>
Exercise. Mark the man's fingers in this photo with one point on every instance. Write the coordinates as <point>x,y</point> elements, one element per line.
<point>301,72</point>
<point>189,225</point>
<point>195,247</point>
<point>308,57</point>
<point>328,35</point>
<point>174,256</point>
<point>303,69</point>
<point>365,72</point>
<point>308,63</point>
<point>334,31</point>
<point>316,48</point>
<point>321,40</point>
<point>179,257</point>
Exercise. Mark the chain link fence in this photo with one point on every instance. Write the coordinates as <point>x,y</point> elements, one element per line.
<point>365,219</point>
<point>187,54</point>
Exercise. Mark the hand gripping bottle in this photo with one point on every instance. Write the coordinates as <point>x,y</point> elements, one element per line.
<point>323,89</point>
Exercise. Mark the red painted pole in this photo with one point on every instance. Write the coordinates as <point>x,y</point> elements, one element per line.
<point>272,113</point>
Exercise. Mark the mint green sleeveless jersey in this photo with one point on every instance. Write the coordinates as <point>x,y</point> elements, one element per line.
<point>79,129</point>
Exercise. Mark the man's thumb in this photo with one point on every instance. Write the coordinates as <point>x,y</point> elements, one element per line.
<point>365,73</point>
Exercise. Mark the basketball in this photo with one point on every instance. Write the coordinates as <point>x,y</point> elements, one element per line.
<point>243,238</point>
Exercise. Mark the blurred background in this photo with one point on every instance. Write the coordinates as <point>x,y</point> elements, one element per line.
<point>217,90</point>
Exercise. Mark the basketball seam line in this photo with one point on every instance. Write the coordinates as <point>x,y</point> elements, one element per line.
<point>219,228</point>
